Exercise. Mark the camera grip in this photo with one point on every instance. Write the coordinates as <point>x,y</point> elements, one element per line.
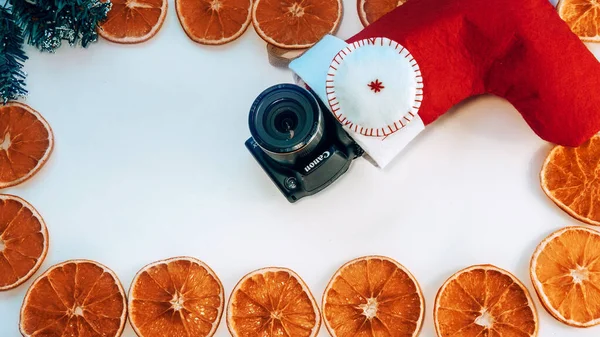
<point>519,50</point>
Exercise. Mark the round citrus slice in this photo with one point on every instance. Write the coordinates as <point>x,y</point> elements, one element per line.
<point>214,22</point>
<point>26,142</point>
<point>484,300</point>
<point>373,296</point>
<point>23,241</point>
<point>78,298</point>
<point>370,11</point>
<point>133,21</point>
<point>272,302</point>
<point>583,17</point>
<point>569,178</point>
<point>296,24</point>
<point>180,296</point>
<point>565,271</point>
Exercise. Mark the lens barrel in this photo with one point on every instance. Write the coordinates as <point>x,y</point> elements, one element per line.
<point>286,121</point>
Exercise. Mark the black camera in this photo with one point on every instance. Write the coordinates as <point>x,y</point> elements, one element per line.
<point>297,141</point>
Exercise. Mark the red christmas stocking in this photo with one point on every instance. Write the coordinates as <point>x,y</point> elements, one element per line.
<point>418,61</point>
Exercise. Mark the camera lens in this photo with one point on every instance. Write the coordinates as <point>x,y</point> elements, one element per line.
<point>286,122</point>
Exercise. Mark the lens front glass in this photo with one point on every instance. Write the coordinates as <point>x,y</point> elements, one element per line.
<point>286,122</point>
<point>285,119</point>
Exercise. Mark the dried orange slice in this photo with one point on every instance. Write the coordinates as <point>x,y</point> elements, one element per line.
<point>214,22</point>
<point>484,300</point>
<point>23,241</point>
<point>570,178</point>
<point>133,21</point>
<point>370,11</point>
<point>78,298</point>
<point>373,296</point>
<point>293,24</point>
<point>272,302</point>
<point>26,142</point>
<point>565,271</point>
<point>583,17</point>
<point>179,296</point>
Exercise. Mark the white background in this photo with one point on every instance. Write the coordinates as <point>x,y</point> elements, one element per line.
<point>150,163</point>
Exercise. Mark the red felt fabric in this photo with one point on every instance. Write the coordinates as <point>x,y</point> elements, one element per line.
<point>520,50</point>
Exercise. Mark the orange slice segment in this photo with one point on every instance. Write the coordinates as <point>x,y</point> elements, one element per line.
<point>272,302</point>
<point>370,11</point>
<point>78,298</point>
<point>214,22</point>
<point>179,296</point>
<point>565,271</point>
<point>133,21</point>
<point>26,142</point>
<point>484,300</point>
<point>292,24</point>
<point>23,241</point>
<point>583,17</point>
<point>373,296</point>
<point>570,178</point>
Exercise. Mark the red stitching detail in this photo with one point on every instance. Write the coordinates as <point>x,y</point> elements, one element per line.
<point>407,119</point>
<point>336,103</point>
<point>389,127</point>
<point>411,114</point>
<point>332,67</point>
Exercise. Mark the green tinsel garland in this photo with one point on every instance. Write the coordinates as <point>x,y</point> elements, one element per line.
<point>12,57</point>
<point>43,24</point>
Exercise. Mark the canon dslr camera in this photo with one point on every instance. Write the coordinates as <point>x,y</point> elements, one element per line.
<point>297,141</point>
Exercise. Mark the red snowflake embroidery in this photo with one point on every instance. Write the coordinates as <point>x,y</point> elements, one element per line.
<point>376,86</point>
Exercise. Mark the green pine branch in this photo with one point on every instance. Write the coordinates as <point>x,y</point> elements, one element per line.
<point>12,57</point>
<point>46,23</point>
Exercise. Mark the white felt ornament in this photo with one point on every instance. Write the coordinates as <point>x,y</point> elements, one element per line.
<point>374,87</point>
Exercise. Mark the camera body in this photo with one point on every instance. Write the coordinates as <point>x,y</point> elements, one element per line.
<point>298,142</point>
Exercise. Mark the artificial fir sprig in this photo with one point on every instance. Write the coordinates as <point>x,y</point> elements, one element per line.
<point>12,57</point>
<point>43,24</point>
<point>46,23</point>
